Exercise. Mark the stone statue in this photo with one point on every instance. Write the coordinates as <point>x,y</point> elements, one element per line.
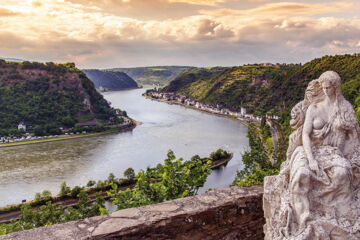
<point>317,193</point>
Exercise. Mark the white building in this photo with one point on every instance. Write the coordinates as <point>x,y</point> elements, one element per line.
<point>22,126</point>
<point>243,111</point>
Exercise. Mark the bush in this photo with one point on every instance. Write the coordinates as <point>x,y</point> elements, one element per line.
<point>75,191</point>
<point>90,183</point>
<point>129,173</point>
<point>64,190</point>
<point>46,194</point>
<point>219,154</point>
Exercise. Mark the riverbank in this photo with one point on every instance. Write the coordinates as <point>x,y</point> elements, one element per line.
<point>242,121</point>
<point>12,212</point>
<point>124,128</point>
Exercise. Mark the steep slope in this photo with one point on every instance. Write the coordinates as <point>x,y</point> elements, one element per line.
<point>160,75</point>
<point>48,95</point>
<point>263,88</point>
<point>110,80</point>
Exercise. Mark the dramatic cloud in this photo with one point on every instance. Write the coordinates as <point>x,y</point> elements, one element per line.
<point>216,33</point>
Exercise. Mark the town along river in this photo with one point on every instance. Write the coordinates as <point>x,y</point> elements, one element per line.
<point>25,170</point>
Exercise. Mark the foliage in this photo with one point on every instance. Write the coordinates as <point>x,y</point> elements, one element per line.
<point>110,80</point>
<point>233,87</point>
<point>75,191</point>
<point>46,194</point>
<point>256,161</point>
<point>175,179</point>
<point>219,154</point>
<point>90,183</point>
<point>160,75</point>
<point>50,214</point>
<point>129,173</point>
<point>46,97</point>
<point>64,189</point>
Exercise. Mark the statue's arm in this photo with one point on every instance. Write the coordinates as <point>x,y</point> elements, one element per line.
<point>307,130</point>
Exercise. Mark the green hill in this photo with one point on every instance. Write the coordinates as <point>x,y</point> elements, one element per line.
<point>160,75</point>
<point>262,88</point>
<point>51,95</point>
<point>110,80</point>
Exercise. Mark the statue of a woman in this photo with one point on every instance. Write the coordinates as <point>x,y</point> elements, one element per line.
<point>315,196</point>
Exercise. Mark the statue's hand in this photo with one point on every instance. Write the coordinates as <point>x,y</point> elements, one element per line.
<point>314,166</point>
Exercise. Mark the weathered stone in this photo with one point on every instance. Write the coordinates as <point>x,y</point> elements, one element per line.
<point>113,225</point>
<point>164,207</point>
<point>314,196</point>
<point>202,217</point>
<point>126,213</point>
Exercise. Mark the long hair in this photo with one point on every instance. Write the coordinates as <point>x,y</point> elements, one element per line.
<point>313,94</point>
<point>342,117</point>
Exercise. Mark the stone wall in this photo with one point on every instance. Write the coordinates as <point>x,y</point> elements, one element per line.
<point>227,213</point>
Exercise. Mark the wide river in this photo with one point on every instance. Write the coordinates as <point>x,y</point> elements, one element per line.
<point>25,170</point>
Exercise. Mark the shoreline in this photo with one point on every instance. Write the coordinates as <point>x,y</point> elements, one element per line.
<point>199,109</point>
<point>114,130</point>
<point>68,201</point>
<point>118,90</point>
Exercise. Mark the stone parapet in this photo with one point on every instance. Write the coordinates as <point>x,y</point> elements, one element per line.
<point>226,213</point>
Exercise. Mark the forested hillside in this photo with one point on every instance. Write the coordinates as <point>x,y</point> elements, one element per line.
<point>262,88</point>
<point>160,75</point>
<point>48,95</point>
<point>110,80</point>
<point>266,89</point>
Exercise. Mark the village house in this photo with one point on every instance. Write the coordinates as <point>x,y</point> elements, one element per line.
<point>22,126</point>
<point>243,111</point>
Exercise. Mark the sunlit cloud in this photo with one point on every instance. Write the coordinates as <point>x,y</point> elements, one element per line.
<point>287,8</point>
<point>83,32</point>
<point>198,2</point>
<point>7,13</point>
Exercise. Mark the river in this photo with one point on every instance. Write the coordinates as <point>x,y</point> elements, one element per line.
<point>25,170</point>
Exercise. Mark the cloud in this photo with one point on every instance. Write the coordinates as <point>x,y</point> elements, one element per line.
<point>198,2</point>
<point>60,30</point>
<point>287,8</point>
<point>7,13</point>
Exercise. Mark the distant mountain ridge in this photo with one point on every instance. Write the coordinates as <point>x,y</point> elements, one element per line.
<point>159,75</point>
<point>265,88</point>
<point>12,59</point>
<point>110,80</point>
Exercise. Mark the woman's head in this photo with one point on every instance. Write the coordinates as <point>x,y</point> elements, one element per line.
<point>330,83</point>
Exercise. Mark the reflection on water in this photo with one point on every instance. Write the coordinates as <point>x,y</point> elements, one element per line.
<point>25,170</point>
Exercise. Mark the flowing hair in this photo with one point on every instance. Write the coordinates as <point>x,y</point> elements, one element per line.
<point>342,115</point>
<point>313,94</point>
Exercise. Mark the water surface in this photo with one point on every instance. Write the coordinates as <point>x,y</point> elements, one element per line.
<point>25,170</point>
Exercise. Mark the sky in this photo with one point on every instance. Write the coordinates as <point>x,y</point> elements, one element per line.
<point>131,33</point>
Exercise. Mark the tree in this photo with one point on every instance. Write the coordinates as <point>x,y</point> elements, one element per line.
<point>39,130</point>
<point>111,177</point>
<point>37,196</point>
<point>129,173</point>
<point>46,194</point>
<point>90,183</point>
<point>175,179</point>
<point>64,189</point>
